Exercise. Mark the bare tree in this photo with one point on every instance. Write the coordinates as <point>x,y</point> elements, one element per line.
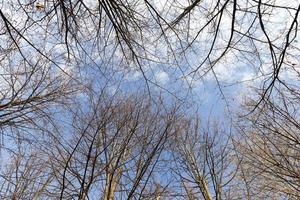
<point>270,146</point>
<point>144,33</point>
<point>111,151</point>
<point>30,93</point>
<point>25,176</point>
<point>71,129</point>
<point>203,160</point>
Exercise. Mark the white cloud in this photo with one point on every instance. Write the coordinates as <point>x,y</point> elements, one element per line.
<point>162,77</point>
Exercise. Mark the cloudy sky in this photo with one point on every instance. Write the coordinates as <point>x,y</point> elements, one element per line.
<point>187,75</point>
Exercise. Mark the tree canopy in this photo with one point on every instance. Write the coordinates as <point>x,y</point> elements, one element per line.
<point>148,99</point>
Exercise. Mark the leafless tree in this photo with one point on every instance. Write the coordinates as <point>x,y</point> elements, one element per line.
<point>70,132</point>
<point>269,148</point>
<point>111,151</point>
<point>144,33</point>
<point>203,160</point>
<point>25,176</point>
<point>29,93</point>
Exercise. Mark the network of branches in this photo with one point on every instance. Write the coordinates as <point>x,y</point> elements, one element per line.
<point>96,99</point>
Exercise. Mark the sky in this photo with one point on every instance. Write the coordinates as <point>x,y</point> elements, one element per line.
<point>244,66</point>
<point>186,76</point>
<point>173,66</point>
